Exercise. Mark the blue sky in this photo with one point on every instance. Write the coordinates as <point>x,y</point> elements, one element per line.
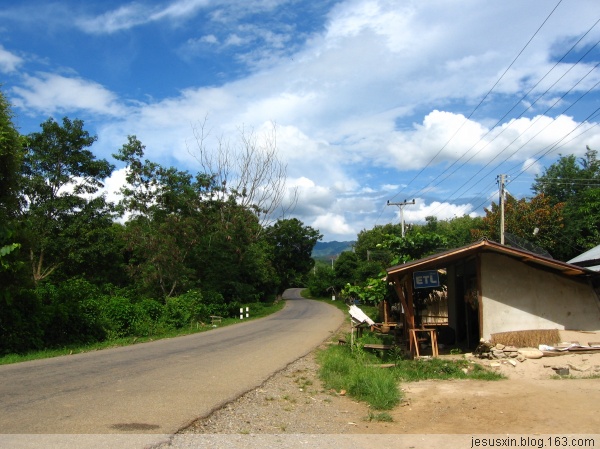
<point>372,100</point>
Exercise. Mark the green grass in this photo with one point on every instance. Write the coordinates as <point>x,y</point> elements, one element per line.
<point>342,370</point>
<point>256,311</point>
<point>442,369</point>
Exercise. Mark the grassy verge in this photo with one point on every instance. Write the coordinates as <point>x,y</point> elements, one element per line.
<point>360,374</point>
<point>341,369</point>
<point>256,311</point>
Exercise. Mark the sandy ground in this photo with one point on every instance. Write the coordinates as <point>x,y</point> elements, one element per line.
<point>531,400</point>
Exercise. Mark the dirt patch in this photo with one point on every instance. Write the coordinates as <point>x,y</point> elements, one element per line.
<point>531,399</point>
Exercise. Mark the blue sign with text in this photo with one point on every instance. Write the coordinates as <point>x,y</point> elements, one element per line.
<point>426,279</point>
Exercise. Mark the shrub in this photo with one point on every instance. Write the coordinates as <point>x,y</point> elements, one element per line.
<point>119,315</point>
<point>70,312</point>
<point>215,305</point>
<point>148,315</point>
<point>182,310</point>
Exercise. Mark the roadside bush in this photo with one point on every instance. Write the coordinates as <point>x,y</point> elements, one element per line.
<point>215,305</point>
<point>118,315</point>
<point>70,312</point>
<point>21,322</point>
<point>182,310</point>
<point>148,316</point>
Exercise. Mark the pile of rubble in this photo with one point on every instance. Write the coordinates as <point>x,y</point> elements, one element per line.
<point>512,354</point>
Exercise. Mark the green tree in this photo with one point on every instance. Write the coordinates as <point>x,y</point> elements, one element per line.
<point>292,243</point>
<point>458,231</point>
<point>537,221</point>
<point>582,227</point>
<point>574,183</point>
<point>11,156</point>
<point>567,178</point>
<point>163,204</point>
<point>413,246</point>
<point>20,311</point>
<point>345,269</point>
<point>368,243</point>
<point>321,281</point>
<point>188,231</point>
<point>59,176</point>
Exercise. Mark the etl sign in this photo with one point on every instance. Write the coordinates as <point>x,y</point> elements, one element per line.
<point>426,279</point>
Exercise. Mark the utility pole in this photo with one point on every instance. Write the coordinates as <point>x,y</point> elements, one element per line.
<point>501,182</point>
<point>401,206</point>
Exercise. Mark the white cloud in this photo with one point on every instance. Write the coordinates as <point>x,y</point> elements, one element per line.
<point>376,90</point>
<point>443,211</point>
<point>9,62</point>
<point>333,225</point>
<point>48,93</point>
<point>136,14</point>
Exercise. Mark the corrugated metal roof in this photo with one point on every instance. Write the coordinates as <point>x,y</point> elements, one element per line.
<point>591,256</point>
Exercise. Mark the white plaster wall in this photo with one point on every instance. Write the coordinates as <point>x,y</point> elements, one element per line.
<point>517,296</point>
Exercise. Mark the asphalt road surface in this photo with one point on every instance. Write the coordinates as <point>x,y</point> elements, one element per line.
<point>157,387</point>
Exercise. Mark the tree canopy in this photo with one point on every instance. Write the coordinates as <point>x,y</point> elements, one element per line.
<point>178,247</point>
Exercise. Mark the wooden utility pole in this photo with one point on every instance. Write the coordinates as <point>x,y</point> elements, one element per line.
<point>501,182</point>
<point>401,206</point>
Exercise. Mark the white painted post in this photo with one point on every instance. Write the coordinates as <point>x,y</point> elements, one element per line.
<point>241,313</point>
<point>247,312</point>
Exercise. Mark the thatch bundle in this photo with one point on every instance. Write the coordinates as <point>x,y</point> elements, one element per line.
<point>527,338</point>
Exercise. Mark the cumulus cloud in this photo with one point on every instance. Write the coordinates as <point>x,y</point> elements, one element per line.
<point>334,225</point>
<point>443,211</point>
<point>362,103</point>
<point>48,93</point>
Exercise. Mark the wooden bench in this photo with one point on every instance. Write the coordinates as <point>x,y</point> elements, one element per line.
<point>215,319</point>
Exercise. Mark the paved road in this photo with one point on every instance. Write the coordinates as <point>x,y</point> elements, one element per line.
<point>161,386</point>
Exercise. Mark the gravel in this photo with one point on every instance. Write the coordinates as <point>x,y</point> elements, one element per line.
<point>291,401</point>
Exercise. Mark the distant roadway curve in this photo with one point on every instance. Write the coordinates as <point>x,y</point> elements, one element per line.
<point>161,386</point>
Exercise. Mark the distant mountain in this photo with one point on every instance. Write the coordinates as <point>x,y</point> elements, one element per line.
<point>324,250</point>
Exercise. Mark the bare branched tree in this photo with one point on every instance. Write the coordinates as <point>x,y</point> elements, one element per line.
<point>250,169</point>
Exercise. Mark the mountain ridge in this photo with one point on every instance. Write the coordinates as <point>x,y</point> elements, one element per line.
<point>323,250</point>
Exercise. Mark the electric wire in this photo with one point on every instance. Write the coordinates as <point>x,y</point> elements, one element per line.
<point>478,105</point>
<point>493,128</point>
<point>482,100</point>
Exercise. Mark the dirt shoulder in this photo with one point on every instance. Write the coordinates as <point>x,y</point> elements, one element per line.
<point>531,399</point>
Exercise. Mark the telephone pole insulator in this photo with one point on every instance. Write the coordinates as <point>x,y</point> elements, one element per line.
<point>401,206</point>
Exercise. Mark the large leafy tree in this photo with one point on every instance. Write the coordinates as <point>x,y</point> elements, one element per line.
<point>292,243</point>
<point>368,244</point>
<point>20,328</point>
<point>574,182</point>
<point>413,246</point>
<point>11,156</point>
<point>163,206</point>
<point>188,231</point>
<point>458,231</point>
<point>567,178</point>
<point>60,174</point>
<point>537,221</point>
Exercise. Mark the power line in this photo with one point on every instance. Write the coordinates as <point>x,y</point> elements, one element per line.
<point>482,100</point>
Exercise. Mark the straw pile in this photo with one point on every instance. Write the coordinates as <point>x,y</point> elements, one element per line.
<point>527,339</point>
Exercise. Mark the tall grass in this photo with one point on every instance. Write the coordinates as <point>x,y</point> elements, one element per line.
<point>356,371</point>
<point>340,369</point>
